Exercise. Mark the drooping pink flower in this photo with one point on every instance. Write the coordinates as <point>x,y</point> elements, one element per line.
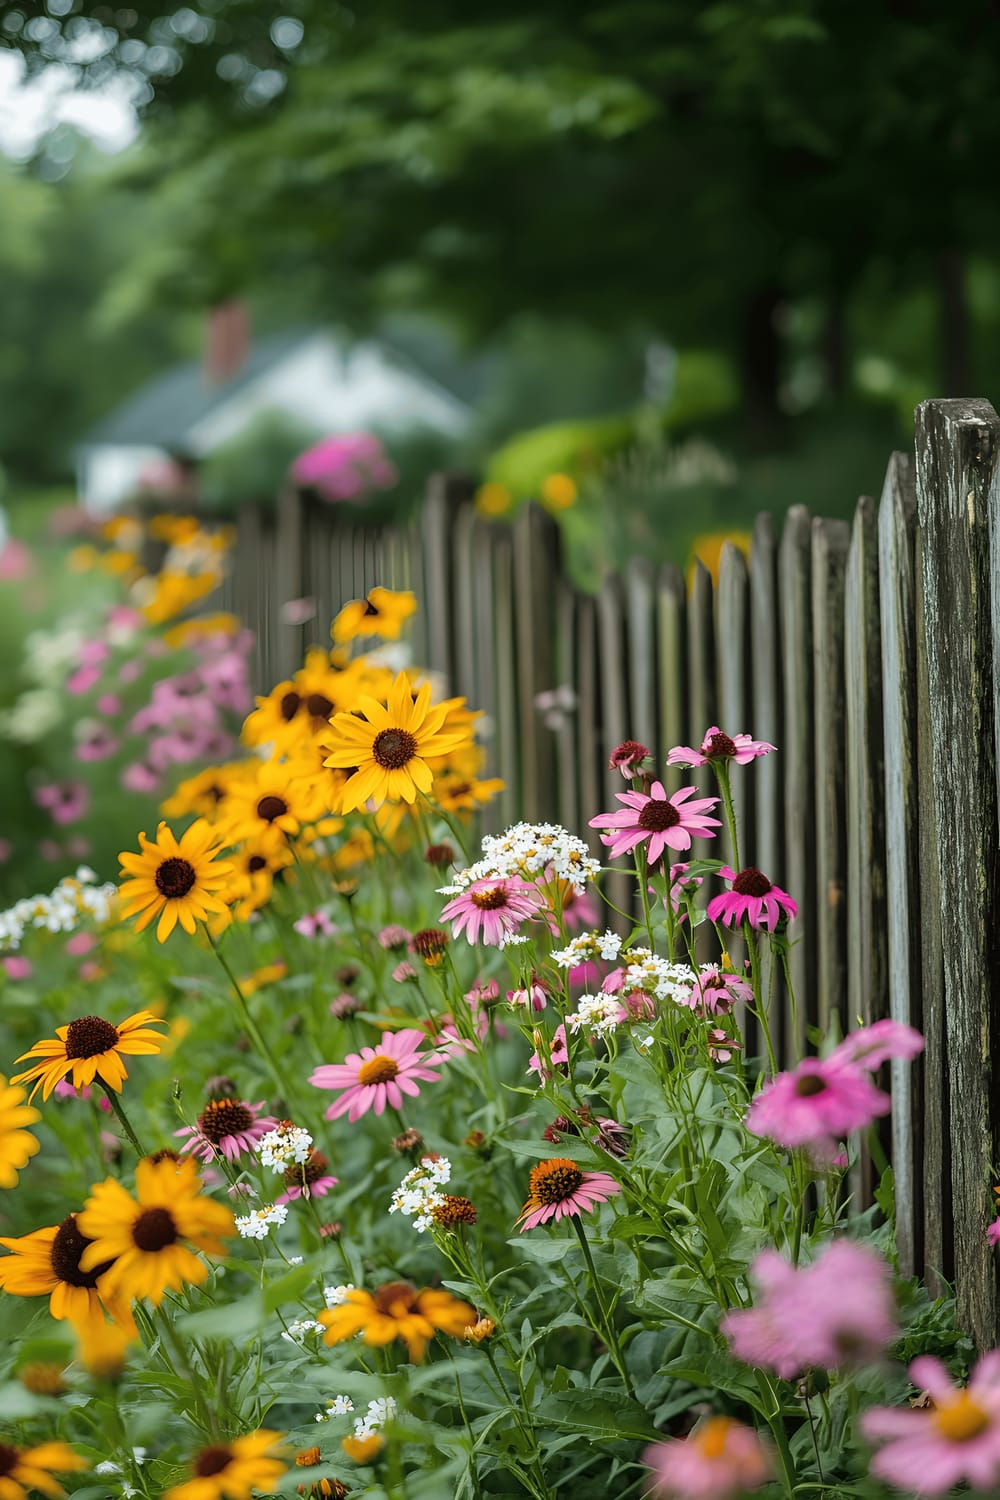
<point>492,909</point>
<point>378,1076</point>
<point>838,1311</point>
<point>16,966</point>
<point>993,1233</point>
<point>715,991</point>
<point>485,992</point>
<point>345,1005</point>
<point>227,1126</point>
<point>718,1461</point>
<point>558,1188</point>
<point>752,896</point>
<point>871,1046</point>
<point>716,746</point>
<point>930,1451</point>
<point>721,1046</point>
<point>659,821</point>
<point>682,885</point>
<point>534,996</point>
<point>558,1054</point>
<point>579,909</point>
<point>629,758</point>
<point>393,938</point>
<point>314,924</point>
<point>404,972</point>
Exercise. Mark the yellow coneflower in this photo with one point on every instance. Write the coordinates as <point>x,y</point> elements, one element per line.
<point>382,613</point>
<point>255,865</point>
<point>90,1047</point>
<point>177,880</point>
<point>233,1470</point>
<point>46,1263</point>
<point>493,499</point>
<point>273,804</point>
<point>558,492</point>
<point>144,1237</point>
<point>300,707</point>
<point>363,1450</point>
<point>102,1348</point>
<point>205,625</point>
<point>204,795</point>
<point>17,1145</point>
<point>389,745</point>
<point>397,1311</point>
<point>25,1469</point>
<point>324,1489</point>
<point>455,793</point>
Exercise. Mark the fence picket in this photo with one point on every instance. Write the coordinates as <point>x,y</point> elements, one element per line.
<point>830,541</point>
<point>798,875</point>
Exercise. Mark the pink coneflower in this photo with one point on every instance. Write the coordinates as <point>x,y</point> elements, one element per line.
<point>993,1233</point>
<point>314,924</point>
<point>109,704</point>
<point>682,885</point>
<point>65,801</point>
<point>344,1005</point>
<point>393,938</point>
<point>751,896</point>
<point>721,1046</point>
<point>558,1188</point>
<point>665,822</point>
<point>378,1076</point>
<point>629,758</point>
<point>718,1461</point>
<point>485,992</point>
<point>558,1053</point>
<point>140,777</point>
<point>719,747</point>
<point>715,992</point>
<point>16,967</point>
<point>930,1451</point>
<point>579,909</point>
<point>838,1311</point>
<point>309,1179</point>
<point>95,742</point>
<point>404,972</point>
<point>491,910</point>
<point>871,1046</point>
<point>66,1090</point>
<point>227,1126</point>
<point>533,996</point>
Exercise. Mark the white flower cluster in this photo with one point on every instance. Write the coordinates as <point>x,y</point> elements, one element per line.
<point>337,1406</point>
<point>296,1331</point>
<point>50,655</point>
<point>335,1296</point>
<point>597,1014</point>
<point>35,714</point>
<point>74,897</point>
<point>588,948</point>
<point>656,976</point>
<point>380,1411</point>
<point>284,1146</point>
<point>419,1192</point>
<point>257,1224</point>
<point>531,850</point>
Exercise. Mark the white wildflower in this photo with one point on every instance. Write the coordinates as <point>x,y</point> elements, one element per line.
<point>296,1332</point>
<point>419,1192</point>
<point>598,1014</point>
<point>284,1147</point>
<point>257,1223</point>
<point>336,1296</point>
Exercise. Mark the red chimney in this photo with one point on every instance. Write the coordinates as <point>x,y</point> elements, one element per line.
<point>227,341</point>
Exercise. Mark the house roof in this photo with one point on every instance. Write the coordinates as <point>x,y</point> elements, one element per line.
<point>163,411</point>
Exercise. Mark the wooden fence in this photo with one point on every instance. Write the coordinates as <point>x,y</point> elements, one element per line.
<point>868,652</point>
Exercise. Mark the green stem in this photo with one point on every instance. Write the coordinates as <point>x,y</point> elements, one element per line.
<point>721,770</point>
<point>125,1123</point>
<point>773,1417</point>
<point>251,1025</point>
<point>608,1332</point>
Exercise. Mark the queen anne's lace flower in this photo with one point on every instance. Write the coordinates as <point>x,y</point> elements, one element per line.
<point>531,850</point>
<point>334,1296</point>
<point>286,1146</point>
<point>419,1193</point>
<point>588,947</point>
<point>257,1223</point>
<point>599,1015</point>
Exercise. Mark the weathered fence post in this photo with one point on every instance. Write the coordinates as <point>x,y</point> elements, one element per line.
<point>445,493</point>
<point>956,444</point>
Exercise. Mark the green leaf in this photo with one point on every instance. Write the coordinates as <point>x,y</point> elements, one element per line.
<point>235,1321</point>
<point>288,1288</point>
<point>607,1415</point>
<point>549,1252</point>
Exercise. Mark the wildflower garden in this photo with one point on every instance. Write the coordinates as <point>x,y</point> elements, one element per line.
<point>346,1149</point>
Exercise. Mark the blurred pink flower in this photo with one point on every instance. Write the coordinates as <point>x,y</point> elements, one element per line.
<point>345,467</point>
<point>95,743</point>
<point>932,1450</point>
<point>79,943</point>
<point>66,1090</point>
<point>49,850</point>
<point>314,924</point>
<point>838,1311</point>
<point>109,704</point>
<point>89,970</point>
<point>718,1461</point>
<point>297,611</point>
<point>78,847</point>
<point>533,997</point>
<point>15,561</point>
<point>16,966</point>
<point>559,1054</point>
<point>140,777</point>
<point>82,680</point>
<point>65,801</point>
<point>6,850</point>
<point>129,671</point>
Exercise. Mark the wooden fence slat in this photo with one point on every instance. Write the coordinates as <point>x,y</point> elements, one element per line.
<point>640,592</point>
<point>672,675</point>
<point>956,447</point>
<point>732,635</point>
<point>570,814</point>
<point>897,609</point>
<point>701,709</point>
<point>508,739</point>
<point>536,564</point>
<point>588,694</point>
<point>464,606</point>
<point>830,540</point>
<point>865,951</point>
<point>615,721</point>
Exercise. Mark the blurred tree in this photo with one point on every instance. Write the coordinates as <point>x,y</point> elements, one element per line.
<point>692,167</point>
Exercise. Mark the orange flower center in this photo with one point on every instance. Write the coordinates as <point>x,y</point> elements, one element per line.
<point>270,808</point>
<point>491,899</point>
<point>90,1036</point>
<point>378,1070</point>
<point>395,1299</point>
<point>555,1180</point>
<point>154,1230</point>
<point>710,1439</point>
<point>962,1419</point>
<point>392,748</point>
<point>309,1171</point>
<point>222,1117</point>
<point>212,1461</point>
<point>308,1459</point>
<point>174,878</point>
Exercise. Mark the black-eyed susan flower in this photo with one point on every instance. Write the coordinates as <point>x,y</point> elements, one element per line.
<point>17,1145</point>
<point>90,1047</point>
<point>326,1489</point>
<point>389,744</point>
<point>397,1311</point>
<point>25,1469</point>
<point>273,804</point>
<point>382,613</point>
<point>204,795</point>
<point>46,1263</point>
<point>233,1470</point>
<point>176,880</point>
<point>151,1239</point>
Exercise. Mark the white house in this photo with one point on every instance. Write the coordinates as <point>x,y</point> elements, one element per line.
<point>318,377</point>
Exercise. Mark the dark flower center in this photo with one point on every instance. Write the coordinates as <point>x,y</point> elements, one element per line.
<point>555,1181</point>
<point>658,815</point>
<point>154,1230</point>
<point>256,862</point>
<point>212,1461</point>
<point>439,855</point>
<point>720,744</point>
<point>90,1036</point>
<point>222,1117</point>
<point>370,608</point>
<point>395,1299</point>
<point>64,1257</point>
<point>627,753</point>
<point>809,1085</point>
<point>309,1171</point>
<point>318,706</point>
<point>460,789</point>
<point>174,878</point>
<point>290,705</point>
<point>429,942</point>
<point>8,1459</point>
<point>454,1211</point>
<point>215,792</point>
<point>751,883</point>
<point>392,748</point>
<point>492,899</point>
<point>164,1154</point>
<point>270,808</point>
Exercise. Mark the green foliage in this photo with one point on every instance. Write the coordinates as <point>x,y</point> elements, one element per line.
<point>252,468</point>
